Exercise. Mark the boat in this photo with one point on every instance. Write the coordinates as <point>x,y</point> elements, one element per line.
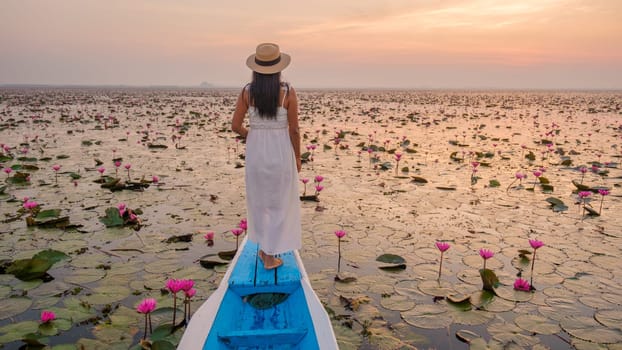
<point>255,308</point>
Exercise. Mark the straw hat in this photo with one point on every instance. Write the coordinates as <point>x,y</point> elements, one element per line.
<point>268,59</point>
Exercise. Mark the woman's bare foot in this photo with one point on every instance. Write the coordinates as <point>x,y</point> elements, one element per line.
<point>270,262</point>
<point>262,255</point>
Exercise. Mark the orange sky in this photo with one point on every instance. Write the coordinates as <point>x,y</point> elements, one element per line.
<point>364,43</point>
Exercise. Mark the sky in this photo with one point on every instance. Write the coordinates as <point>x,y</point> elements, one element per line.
<point>436,44</point>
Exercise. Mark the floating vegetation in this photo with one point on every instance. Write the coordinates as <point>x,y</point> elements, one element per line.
<point>185,177</point>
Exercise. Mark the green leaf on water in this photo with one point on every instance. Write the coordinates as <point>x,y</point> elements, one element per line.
<point>29,269</point>
<point>580,186</point>
<point>391,259</point>
<point>47,214</point>
<point>386,166</point>
<point>162,345</point>
<point>531,156</point>
<point>35,341</point>
<point>48,329</point>
<point>14,306</point>
<point>566,161</point>
<point>494,183</point>
<point>112,218</point>
<point>51,255</point>
<point>557,204</point>
<point>543,180</point>
<point>547,188</point>
<point>489,279</point>
<point>419,180</point>
<point>394,262</point>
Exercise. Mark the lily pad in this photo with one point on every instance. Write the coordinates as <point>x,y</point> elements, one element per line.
<point>609,318</point>
<point>112,218</point>
<point>467,336</point>
<point>14,306</point>
<point>509,293</point>
<point>431,316</point>
<point>489,279</point>
<point>397,302</point>
<point>391,259</point>
<point>587,328</point>
<point>537,324</point>
<point>107,294</point>
<point>37,266</point>
<point>16,331</point>
<point>557,204</point>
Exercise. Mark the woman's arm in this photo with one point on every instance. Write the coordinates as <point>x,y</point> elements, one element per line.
<point>238,116</point>
<point>292,120</point>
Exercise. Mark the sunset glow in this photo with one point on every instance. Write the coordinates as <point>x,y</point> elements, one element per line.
<point>404,44</point>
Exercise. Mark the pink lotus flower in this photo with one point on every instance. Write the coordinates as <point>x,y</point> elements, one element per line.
<point>155,179</point>
<point>190,293</point>
<point>30,205</point>
<point>475,164</point>
<point>442,246</point>
<point>603,192</point>
<point>243,224</point>
<point>340,233</point>
<point>128,166</point>
<point>173,285</point>
<point>56,167</point>
<point>186,285</point>
<point>486,254</point>
<point>7,170</point>
<point>47,316</point>
<point>537,173</point>
<point>522,285</point>
<point>101,170</point>
<point>535,244</point>
<point>398,156</point>
<point>584,194</point>
<point>117,163</point>
<point>304,181</point>
<point>318,189</point>
<point>319,178</point>
<point>146,306</point>
<point>237,231</point>
<point>209,235</point>
<point>520,175</point>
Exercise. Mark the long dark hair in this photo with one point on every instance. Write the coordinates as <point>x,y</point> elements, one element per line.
<point>264,93</point>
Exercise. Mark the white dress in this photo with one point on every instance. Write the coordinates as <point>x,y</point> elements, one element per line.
<point>272,199</point>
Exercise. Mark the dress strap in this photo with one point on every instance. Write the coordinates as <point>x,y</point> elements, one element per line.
<point>286,86</point>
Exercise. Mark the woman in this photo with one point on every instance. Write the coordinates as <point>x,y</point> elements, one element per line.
<point>272,155</point>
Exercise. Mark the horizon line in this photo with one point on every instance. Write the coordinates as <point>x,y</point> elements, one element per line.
<point>302,87</point>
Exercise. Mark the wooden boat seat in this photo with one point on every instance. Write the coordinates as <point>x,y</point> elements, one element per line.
<point>250,277</point>
<point>252,338</point>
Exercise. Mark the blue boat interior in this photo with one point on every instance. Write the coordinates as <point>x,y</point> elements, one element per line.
<point>284,325</point>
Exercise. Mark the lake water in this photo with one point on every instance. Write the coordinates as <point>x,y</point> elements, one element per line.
<point>182,136</point>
